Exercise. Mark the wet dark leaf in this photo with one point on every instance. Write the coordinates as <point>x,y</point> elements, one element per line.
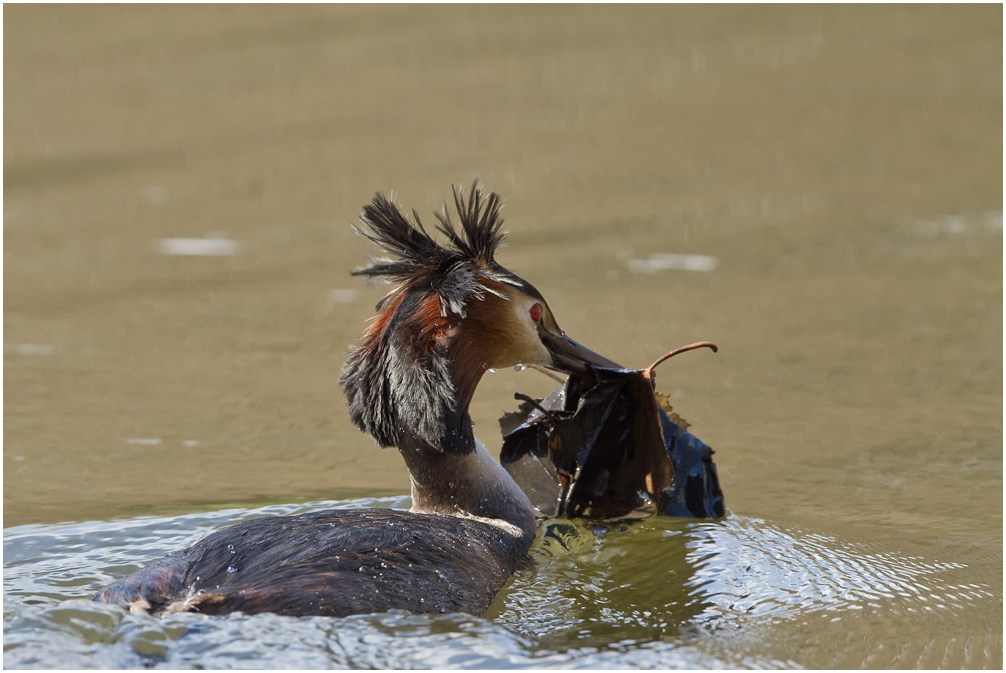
<point>609,447</point>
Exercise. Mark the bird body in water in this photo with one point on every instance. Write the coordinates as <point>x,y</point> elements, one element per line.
<point>454,314</point>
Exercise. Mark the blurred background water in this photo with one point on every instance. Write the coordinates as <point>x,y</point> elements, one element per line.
<point>817,190</point>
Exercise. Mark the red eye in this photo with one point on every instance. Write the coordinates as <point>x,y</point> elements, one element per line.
<point>535,312</point>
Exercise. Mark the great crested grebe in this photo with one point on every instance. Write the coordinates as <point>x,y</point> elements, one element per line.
<point>454,314</point>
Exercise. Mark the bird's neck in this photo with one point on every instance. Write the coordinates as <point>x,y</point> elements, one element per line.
<point>473,485</point>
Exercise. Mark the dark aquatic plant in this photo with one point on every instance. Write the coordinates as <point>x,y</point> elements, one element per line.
<point>608,447</point>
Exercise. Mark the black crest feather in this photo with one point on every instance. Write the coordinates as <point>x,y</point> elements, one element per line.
<point>451,270</point>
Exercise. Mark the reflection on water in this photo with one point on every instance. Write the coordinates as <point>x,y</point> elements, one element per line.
<point>604,584</point>
<point>666,262</point>
<point>29,349</point>
<point>654,593</point>
<point>211,246</point>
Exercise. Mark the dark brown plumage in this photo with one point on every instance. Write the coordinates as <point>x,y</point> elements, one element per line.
<point>334,563</point>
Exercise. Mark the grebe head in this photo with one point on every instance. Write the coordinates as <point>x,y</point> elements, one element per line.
<point>454,314</point>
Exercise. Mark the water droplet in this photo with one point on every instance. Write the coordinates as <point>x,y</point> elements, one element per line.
<point>230,548</point>
<point>232,569</point>
<point>441,574</point>
<point>492,371</point>
<point>485,365</point>
<point>519,368</point>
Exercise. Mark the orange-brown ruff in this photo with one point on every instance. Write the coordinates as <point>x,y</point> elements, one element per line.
<point>454,313</point>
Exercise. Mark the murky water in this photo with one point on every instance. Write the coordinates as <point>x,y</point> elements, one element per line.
<point>818,191</point>
<point>661,593</point>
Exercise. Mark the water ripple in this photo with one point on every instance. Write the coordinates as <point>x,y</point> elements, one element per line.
<point>659,593</point>
<point>751,567</point>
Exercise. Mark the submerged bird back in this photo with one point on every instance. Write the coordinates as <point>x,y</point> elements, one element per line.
<point>332,563</point>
